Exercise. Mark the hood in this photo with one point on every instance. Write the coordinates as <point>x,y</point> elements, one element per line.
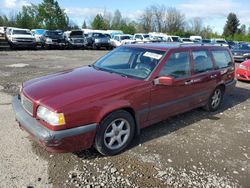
<point>68,87</point>
<point>23,36</point>
<point>246,63</point>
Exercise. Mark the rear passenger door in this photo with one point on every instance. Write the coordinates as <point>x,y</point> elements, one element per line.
<point>204,76</point>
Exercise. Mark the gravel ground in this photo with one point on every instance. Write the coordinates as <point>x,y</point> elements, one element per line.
<point>194,149</point>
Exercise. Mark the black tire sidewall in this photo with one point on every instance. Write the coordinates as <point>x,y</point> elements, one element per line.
<point>99,139</point>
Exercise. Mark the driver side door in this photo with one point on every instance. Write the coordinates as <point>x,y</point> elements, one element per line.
<point>177,98</point>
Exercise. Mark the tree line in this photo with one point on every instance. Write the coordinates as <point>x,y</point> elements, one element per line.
<point>154,18</point>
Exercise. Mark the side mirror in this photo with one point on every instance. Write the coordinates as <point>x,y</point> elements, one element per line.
<point>164,80</point>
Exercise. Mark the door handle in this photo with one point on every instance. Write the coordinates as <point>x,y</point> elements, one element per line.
<point>189,82</point>
<point>213,76</point>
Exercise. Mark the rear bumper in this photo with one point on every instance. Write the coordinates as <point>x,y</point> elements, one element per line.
<point>68,140</point>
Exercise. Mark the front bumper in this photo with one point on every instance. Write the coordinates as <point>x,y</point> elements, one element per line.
<point>24,44</point>
<point>68,140</point>
<point>242,74</point>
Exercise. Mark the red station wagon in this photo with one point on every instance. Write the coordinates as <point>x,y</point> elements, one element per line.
<point>107,103</point>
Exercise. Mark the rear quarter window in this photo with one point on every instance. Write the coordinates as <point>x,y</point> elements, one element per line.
<point>222,58</point>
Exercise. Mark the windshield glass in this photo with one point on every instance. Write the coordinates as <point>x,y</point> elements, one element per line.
<point>130,62</point>
<point>176,39</point>
<point>146,36</point>
<point>53,33</point>
<point>76,34</point>
<point>125,37</point>
<point>221,42</point>
<point>39,31</point>
<point>243,47</point>
<point>21,32</point>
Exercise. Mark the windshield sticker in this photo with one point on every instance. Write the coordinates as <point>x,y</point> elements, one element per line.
<point>152,55</point>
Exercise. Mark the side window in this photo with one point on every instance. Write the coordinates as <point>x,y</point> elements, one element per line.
<point>202,61</point>
<point>116,38</point>
<point>222,58</point>
<point>177,65</point>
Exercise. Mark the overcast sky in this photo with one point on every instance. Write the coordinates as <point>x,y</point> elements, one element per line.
<point>212,12</point>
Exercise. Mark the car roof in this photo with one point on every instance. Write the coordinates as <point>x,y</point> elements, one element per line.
<point>173,45</point>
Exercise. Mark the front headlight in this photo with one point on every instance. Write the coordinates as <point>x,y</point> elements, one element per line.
<point>243,67</point>
<point>48,40</point>
<point>50,117</point>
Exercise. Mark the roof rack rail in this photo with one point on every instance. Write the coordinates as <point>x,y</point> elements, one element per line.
<point>196,44</point>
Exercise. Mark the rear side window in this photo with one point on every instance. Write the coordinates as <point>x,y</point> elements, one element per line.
<point>177,65</point>
<point>222,58</point>
<point>202,61</point>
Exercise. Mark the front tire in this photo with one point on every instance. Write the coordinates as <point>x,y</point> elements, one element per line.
<point>115,133</point>
<point>215,100</point>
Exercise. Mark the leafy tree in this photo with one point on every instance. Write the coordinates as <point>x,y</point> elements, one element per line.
<point>52,16</point>
<point>28,17</point>
<point>231,26</point>
<point>99,23</point>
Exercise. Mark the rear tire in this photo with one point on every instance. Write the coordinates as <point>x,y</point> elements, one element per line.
<point>215,100</point>
<point>115,133</point>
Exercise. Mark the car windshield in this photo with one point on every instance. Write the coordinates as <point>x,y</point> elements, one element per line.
<point>130,62</point>
<point>39,31</point>
<point>98,35</point>
<point>221,42</point>
<point>243,47</point>
<point>125,37</point>
<point>176,39</point>
<point>21,32</point>
<point>53,33</point>
<point>206,41</point>
<point>146,36</point>
<point>76,34</point>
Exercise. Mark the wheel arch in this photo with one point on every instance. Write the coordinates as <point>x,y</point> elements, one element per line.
<point>127,108</point>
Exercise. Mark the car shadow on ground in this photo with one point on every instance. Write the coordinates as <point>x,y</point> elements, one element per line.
<point>231,99</point>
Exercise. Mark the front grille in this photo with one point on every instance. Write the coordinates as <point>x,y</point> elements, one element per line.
<point>24,40</point>
<point>78,41</point>
<point>27,104</point>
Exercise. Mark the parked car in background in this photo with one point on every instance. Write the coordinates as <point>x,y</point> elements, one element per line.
<point>206,41</point>
<point>20,38</point>
<point>196,39</point>
<point>39,35</point>
<point>54,39</point>
<point>75,39</point>
<point>187,41</point>
<point>113,33</point>
<point>219,42</point>
<point>174,38</point>
<point>159,37</point>
<point>107,103</point>
<point>141,38</point>
<point>241,52</point>
<point>97,40</point>
<point>231,43</point>
<point>119,40</point>
<point>243,71</point>
<point>2,30</point>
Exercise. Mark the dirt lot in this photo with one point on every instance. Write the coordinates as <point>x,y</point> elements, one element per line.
<point>195,149</point>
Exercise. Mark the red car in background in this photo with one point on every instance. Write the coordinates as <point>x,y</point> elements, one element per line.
<point>243,71</point>
<point>107,103</point>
